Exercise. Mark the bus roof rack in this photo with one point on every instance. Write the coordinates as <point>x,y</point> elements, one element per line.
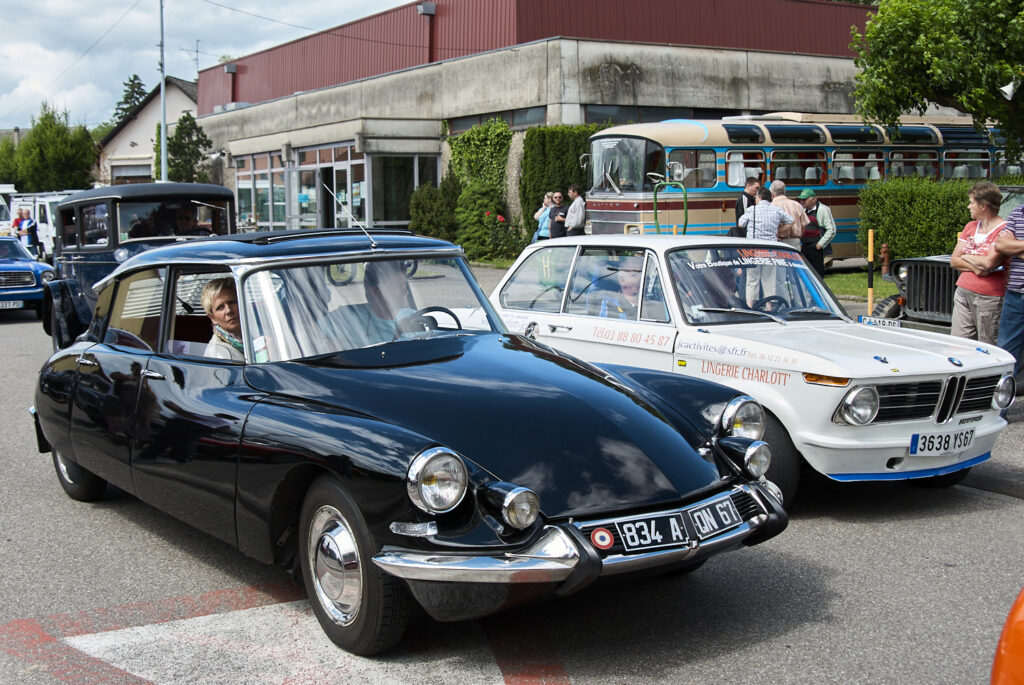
<point>807,118</point>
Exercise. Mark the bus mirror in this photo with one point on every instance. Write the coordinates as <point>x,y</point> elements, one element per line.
<point>584,160</point>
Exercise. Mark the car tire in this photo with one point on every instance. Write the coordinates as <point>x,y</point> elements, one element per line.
<point>363,610</point>
<point>946,480</point>
<point>79,483</point>
<point>786,460</point>
<point>887,308</point>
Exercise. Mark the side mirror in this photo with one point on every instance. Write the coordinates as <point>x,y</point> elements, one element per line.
<point>584,160</point>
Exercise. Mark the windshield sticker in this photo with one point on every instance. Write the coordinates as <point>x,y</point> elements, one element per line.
<point>724,370</point>
<point>753,257</point>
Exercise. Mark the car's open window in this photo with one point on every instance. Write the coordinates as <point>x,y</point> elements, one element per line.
<point>607,282</point>
<point>539,282</point>
<point>316,309</point>
<point>135,313</point>
<point>746,285</point>
<point>188,327</point>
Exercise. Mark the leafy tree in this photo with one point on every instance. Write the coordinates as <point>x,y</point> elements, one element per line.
<point>100,131</point>
<point>955,53</point>
<point>186,150</point>
<point>8,162</point>
<point>481,153</point>
<point>134,93</point>
<point>54,155</point>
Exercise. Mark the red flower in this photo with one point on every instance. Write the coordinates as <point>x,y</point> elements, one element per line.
<point>501,219</point>
<point>487,213</point>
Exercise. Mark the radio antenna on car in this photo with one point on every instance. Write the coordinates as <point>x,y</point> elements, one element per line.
<point>348,212</point>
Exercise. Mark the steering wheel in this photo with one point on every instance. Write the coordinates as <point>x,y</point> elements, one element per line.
<point>759,305</point>
<point>416,321</point>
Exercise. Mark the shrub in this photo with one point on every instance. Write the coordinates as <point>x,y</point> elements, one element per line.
<point>477,201</point>
<point>915,217</point>
<point>481,153</point>
<point>432,209</point>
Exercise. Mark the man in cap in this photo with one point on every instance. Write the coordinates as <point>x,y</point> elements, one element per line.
<point>819,231</point>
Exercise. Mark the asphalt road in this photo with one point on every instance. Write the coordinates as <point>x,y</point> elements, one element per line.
<point>871,583</point>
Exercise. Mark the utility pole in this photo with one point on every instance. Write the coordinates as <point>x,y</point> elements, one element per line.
<point>163,102</point>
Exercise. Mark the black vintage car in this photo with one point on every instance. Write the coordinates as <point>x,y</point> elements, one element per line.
<point>384,435</point>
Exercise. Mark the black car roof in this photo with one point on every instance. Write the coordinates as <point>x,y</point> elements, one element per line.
<point>281,244</point>
<point>140,191</point>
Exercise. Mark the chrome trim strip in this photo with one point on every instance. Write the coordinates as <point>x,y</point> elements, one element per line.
<point>625,563</point>
<point>549,560</point>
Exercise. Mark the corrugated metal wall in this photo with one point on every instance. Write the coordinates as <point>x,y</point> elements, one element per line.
<point>400,38</point>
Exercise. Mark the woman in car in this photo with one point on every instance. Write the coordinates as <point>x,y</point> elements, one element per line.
<point>220,302</point>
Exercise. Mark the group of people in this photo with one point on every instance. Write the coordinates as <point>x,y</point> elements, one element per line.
<point>988,304</point>
<point>768,214</point>
<point>555,218</point>
<point>25,227</point>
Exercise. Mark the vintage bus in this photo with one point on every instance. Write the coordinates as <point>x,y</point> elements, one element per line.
<point>836,155</point>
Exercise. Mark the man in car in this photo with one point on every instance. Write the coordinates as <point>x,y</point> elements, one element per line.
<point>388,297</point>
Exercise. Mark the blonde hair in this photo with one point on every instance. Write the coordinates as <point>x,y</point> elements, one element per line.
<point>214,288</point>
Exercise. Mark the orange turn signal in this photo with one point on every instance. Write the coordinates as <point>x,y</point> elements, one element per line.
<point>818,379</point>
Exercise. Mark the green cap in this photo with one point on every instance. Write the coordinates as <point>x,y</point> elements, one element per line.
<point>807,192</point>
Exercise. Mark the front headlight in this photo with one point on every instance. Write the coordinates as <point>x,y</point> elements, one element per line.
<point>860,406</point>
<point>743,417</point>
<point>901,272</point>
<point>436,480</point>
<point>758,458</point>
<point>46,276</point>
<point>1006,388</point>
<point>519,506</point>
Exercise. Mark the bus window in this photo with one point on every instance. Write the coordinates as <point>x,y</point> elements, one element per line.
<point>856,135</point>
<point>743,164</point>
<point>965,164</point>
<point>903,163</point>
<point>801,133</point>
<point>697,168</point>
<point>1002,168</point>
<point>799,167</point>
<point>912,135</point>
<point>621,164</point>
<point>744,133</point>
<point>857,166</point>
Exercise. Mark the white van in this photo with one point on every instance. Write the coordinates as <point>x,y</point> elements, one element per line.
<point>43,207</point>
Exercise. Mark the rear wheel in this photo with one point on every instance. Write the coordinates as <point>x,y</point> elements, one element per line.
<point>887,308</point>
<point>785,468</point>
<point>78,483</point>
<point>362,609</point>
<point>944,481</point>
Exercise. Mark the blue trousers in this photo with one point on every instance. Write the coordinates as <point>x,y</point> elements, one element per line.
<point>1011,328</point>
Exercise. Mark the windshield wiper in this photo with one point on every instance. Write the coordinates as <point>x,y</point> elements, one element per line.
<point>737,310</point>
<point>811,310</point>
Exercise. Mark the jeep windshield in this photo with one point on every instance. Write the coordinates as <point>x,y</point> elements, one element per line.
<point>748,284</point>
<point>310,310</point>
<point>177,218</point>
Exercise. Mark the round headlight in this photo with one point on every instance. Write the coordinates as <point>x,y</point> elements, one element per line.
<point>757,458</point>
<point>901,272</point>
<point>860,406</point>
<point>1005,390</point>
<point>436,480</point>
<point>743,418</point>
<point>520,508</point>
<point>47,276</point>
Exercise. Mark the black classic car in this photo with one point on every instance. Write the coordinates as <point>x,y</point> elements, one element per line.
<point>379,431</point>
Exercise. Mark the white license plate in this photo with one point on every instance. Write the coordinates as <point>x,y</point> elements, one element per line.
<point>11,304</point>
<point>874,321</point>
<point>665,530</point>
<point>941,443</point>
<point>713,518</point>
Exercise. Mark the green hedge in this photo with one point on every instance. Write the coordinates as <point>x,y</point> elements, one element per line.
<point>915,217</point>
<point>481,153</point>
<point>551,161</point>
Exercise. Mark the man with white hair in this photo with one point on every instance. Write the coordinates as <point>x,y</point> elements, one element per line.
<point>790,234</point>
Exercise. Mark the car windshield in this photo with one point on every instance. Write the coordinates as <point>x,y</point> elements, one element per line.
<point>187,217</point>
<point>1012,199</point>
<point>748,285</point>
<point>308,310</point>
<point>12,249</point>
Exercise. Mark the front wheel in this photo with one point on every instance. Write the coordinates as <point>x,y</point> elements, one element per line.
<point>78,483</point>
<point>887,308</point>
<point>785,468</point>
<point>362,609</point>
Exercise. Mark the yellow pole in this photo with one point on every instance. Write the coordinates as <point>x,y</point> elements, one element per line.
<point>871,271</point>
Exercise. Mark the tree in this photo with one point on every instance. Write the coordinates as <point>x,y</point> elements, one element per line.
<point>954,53</point>
<point>186,150</point>
<point>8,162</point>
<point>134,93</point>
<point>54,155</point>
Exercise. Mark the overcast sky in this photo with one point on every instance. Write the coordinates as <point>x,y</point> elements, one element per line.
<point>77,54</point>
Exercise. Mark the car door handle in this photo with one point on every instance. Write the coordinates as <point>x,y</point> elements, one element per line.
<point>86,361</point>
<point>553,327</point>
<point>153,375</point>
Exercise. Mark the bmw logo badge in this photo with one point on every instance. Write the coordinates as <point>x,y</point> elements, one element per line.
<point>955,362</point>
<point>602,538</point>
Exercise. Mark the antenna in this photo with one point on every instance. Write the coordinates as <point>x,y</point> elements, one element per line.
<point>348,213</point>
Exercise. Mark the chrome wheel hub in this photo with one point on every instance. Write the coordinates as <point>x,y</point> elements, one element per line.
<point>335,565</point>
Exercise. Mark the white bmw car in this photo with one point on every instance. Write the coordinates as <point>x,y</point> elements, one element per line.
<point>855,402</point>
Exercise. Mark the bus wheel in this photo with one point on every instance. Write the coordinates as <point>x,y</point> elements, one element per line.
<point>889,308</point>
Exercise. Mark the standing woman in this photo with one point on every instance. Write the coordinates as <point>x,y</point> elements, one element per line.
<point>978,300</point>
<point>543,217</point>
